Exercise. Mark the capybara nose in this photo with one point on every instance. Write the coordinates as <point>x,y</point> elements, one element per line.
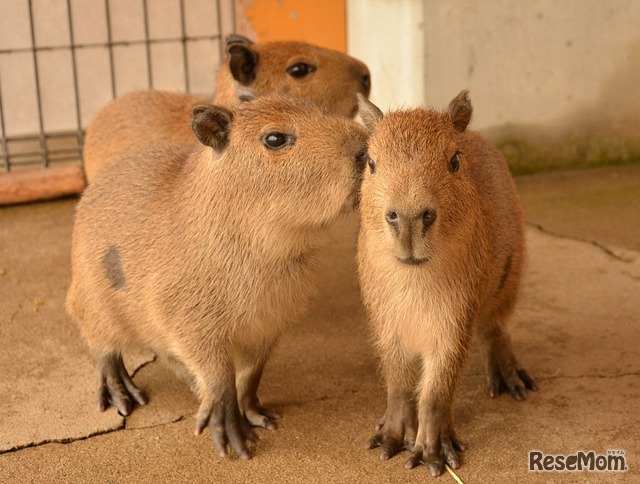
<point>366,83</point>
<point>428,217</point>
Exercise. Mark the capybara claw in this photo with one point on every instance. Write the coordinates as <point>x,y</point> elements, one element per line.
<point>116,388</point>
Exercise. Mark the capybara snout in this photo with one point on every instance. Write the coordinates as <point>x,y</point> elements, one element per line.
<point>408,231</point>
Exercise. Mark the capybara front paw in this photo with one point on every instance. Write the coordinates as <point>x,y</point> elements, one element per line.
<point>226,424</point>
<point>509,378</point>
<point>389,445</point>
<point>435,458</point>
<point>116,386</point>
<point>392,436</point>
<point>396,430</point>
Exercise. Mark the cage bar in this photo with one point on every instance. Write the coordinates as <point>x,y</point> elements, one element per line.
<point>76,90</point>
<point>23,148</point>
<point>43,145</point>
<point>185,54</point>
<point>145,15</point>
<point>3,138</point>
<point>110,48</point>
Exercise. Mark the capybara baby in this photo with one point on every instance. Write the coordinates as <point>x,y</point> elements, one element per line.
<point>204,254</point>
<point>440,251</point>
<point>328,78</point>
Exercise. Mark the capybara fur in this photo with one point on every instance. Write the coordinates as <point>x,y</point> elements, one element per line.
<point>440,252</point>
<point>203,254</point>
<point>328,78</point>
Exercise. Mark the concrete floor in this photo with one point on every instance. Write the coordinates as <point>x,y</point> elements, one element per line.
<point>576,329</point>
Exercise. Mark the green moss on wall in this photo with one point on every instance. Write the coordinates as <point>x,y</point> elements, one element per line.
<point>528,155</point>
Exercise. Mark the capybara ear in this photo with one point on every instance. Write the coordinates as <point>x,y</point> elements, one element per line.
<point>212,125</point>
<point>369,112</point>
<point>237,39</point>
<point>246,94</point>
<point>243,60</point>
<point>460,111</point>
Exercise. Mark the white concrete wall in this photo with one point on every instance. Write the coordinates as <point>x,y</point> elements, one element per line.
<point>388,36</point>
<point>536,61</point>
<point>525,62</point>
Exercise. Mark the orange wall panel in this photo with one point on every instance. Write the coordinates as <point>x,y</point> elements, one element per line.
<point>317,22</point>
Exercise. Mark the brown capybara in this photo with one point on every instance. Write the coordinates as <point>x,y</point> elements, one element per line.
<point>440,251</point>
<point>204,254</point>
<point>328,78</point>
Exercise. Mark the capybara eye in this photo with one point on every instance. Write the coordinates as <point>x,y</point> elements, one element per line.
<point>391,218</point>
<point>372,165</point>
<point>275,140</point>
<point>366,82</point>
<point>361,159</point>
<point>300,70</point>
<point>454,163</point>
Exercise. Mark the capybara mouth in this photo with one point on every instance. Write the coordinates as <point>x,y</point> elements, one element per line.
<point>412,261</point>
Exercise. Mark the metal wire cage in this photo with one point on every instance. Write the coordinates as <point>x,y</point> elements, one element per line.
<point>61,60</point>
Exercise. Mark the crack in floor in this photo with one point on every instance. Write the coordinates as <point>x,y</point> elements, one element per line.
<point>14,315</point>
<point>177,419</point>
<point>576,377</point>
<point>64,441</point>
<point>70,440</point>
<point>133,373</point>
<point>594,243</point>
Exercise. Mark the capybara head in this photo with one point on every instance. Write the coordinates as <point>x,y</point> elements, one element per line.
<point>326,77</point>
<point>302,165</point>
<point>417,193</point>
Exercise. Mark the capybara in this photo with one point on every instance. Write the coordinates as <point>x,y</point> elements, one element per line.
<point>440,252</point>
<point>328,78</point>
<point>203,254</point>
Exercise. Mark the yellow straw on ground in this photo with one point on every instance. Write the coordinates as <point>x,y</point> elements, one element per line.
<point>453,474</point>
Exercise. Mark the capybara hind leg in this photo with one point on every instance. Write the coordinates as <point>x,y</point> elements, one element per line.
<point>396,431</point>
<point>219,411</point>
<point>249,368</point>
<point>115,385</point>
<point>504,373</point>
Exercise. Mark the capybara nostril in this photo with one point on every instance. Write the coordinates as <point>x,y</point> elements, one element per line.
<point>391,218</point>
<point>428,217</point>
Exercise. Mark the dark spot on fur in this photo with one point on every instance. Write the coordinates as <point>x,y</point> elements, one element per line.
<point>505,273</point>
<point>112,263</point>
<point>301,258</point>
